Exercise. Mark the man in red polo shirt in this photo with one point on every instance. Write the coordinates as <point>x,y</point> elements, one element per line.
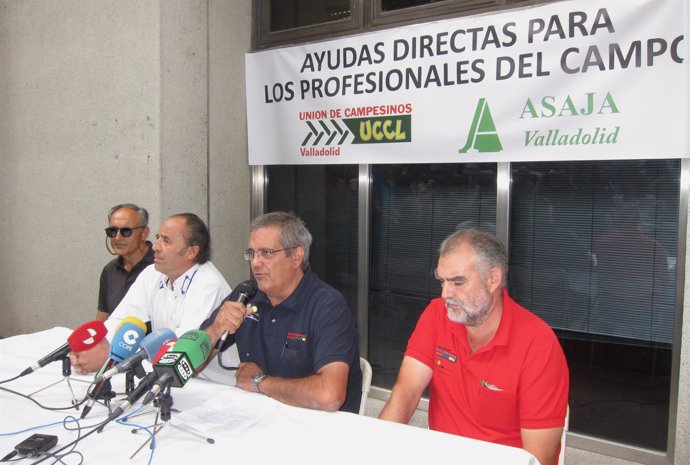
<point>495,371</point>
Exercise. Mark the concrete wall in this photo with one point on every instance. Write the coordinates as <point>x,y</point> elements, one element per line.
<point>108,101</point>
<point>103,102</point>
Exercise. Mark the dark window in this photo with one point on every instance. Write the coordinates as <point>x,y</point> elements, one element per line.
<point>413,208</point>
<point>291,14</point>
<point>592,251</point>
<point>325,197</point>
<point>279,22</point>
<point>293,21</point>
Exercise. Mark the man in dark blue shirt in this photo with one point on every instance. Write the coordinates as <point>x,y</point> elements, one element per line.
<point>296,337</point>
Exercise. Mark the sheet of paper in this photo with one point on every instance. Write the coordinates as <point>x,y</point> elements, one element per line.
<point>219,414</point>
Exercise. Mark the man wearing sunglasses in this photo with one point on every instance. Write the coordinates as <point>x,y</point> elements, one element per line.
<point>177,292</point>
<point>126,236</point>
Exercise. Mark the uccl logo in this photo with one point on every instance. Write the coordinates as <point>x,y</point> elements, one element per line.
<point>482,135</point>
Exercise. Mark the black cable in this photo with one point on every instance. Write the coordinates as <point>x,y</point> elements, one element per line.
<point>58,458</point>
<point>66,425</point>
<point>41,405</point>
<point>220,362</point>
<point>11,379</point>
<point>8,457</point>
<point>73,443</point>
<point>28,452</point>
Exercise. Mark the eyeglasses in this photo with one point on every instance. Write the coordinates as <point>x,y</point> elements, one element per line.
<point>266,254</point>
<point>126,232</point>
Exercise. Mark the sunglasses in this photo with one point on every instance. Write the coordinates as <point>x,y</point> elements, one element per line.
<point>112,231</point>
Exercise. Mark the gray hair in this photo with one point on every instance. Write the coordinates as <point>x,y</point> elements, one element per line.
<point>293,232</point>
<point>490,251</point>
<point>141,212</point>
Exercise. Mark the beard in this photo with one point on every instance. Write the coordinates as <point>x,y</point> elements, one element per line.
<point>473,313</point>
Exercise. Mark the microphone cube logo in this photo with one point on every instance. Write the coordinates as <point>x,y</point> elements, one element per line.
<point>184,370</point>
<point>131,337</point>
<point>169,358</point>
<point>180,364</point>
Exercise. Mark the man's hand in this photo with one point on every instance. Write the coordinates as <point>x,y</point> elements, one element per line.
<point>229,318</point>
<point>244,374</point>
<point>92,359</point>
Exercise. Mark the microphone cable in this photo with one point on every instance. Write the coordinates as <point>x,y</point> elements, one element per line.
<point>124,422</point>
<point>58,457</point>
<point>73,444</point>
<point>45,407</point>
<point>10,379</point>
<point>224,367</point>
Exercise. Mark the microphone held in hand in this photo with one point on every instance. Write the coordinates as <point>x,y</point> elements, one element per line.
<point>83,338</point>
<point>245,291</point>
<point>125,342</point>
<point>150,344</point>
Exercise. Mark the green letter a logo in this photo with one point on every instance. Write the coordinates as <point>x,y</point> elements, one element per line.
<point>482,136</point>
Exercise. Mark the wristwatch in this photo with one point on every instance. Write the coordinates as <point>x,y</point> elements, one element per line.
<point>256,379</point>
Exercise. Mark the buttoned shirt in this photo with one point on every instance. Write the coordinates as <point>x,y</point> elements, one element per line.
<point>180,306</point>
<point>311,328</point>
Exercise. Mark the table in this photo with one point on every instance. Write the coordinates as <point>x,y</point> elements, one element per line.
<point>247,427</point>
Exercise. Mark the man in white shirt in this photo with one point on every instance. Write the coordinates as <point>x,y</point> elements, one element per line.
<point>178,292</point>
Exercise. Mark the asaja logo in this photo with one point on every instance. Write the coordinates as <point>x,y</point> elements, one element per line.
<point>482,136</point>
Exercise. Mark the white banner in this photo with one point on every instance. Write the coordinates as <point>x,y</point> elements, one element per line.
<point>572,80</point>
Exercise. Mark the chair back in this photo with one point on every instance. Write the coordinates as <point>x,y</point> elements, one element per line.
<point>366,383</point>
<point>561,454</point>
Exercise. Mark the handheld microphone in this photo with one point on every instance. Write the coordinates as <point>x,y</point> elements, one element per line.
<point>125,342</point>
<point>246,291</point>
<point>178,365</point>
<point>150,345</point>
<point>84,337</point>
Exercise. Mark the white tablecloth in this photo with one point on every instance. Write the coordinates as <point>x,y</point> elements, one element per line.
<point>246,427</point>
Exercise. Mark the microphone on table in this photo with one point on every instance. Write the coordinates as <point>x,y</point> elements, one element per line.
<point>83,338</point>
<point>150,345</point>
<point>142,388</point>
<point>160,384</point>
<point>125,342</point>
<point>167,347</point>
<point>246,291</point>
<point>177,366</point>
